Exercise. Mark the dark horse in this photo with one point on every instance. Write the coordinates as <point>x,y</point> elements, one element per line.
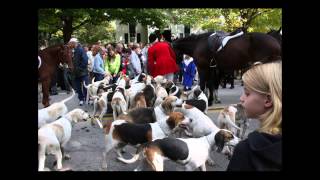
<point>238,53</point>
<point>276,34</point>
<point>49,60</point>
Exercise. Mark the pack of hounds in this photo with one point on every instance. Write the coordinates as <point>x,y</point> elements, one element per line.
<point>151,114</point>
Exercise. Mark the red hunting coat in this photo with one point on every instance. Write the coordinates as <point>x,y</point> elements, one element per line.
<point>161,59</point>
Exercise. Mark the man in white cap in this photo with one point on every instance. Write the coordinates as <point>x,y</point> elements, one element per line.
<point>80,72</point>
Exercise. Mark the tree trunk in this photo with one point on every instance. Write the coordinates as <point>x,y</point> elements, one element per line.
<point>67,28</point>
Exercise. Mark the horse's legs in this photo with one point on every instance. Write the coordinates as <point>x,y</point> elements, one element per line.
<point>210,87</point>
<point>202,81</point>
<point>215,95</point>
<point>232,80</point>
<point>45,92</point>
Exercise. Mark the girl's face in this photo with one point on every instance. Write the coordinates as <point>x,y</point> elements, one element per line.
<point>111,52</point>
<point>255,104</point>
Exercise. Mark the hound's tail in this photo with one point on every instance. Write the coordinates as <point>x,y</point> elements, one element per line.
<point>40,62</point>
<point>92,81</point>
<point>67,99</point>
<point>84,84</point>
<point>135,156</point>
<point>231,123</point>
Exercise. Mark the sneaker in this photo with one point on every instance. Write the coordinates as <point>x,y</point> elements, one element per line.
<point>80,103</point>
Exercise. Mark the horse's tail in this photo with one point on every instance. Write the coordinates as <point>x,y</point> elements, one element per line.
<point>67,99</point>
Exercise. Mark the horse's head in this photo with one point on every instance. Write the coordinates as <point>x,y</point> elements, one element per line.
<point>65,55</point>
<point>186,45</point>
<point>277,34</point>
<point>179,54</point>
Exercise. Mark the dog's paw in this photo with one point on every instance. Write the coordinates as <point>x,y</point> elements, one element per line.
<point>65,169</point>
<point>67,157</point>
<point>46,169</point>
<point>104,166</point>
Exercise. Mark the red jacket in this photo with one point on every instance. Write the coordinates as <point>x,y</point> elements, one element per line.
<point>161,59</point>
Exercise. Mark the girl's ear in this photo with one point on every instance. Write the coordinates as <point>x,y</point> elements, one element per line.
<point>268,101</point>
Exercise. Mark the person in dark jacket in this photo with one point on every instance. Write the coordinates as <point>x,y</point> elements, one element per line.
<point>80,72</point>
<point>262,99</point>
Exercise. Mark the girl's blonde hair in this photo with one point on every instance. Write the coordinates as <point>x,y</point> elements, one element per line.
<point>267,79</point>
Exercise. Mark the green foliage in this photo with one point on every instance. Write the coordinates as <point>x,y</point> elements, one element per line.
<point>228,19</point>
<point>271,19</point>
<point>91,24</point>
<point>90,33</point>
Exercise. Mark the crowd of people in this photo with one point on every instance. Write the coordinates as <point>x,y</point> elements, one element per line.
<point>114,59</point>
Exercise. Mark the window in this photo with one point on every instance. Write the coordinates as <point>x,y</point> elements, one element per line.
<point>132,29</point>
<point>138,37</point>
<point>126,38</point>
<point>187,30</point>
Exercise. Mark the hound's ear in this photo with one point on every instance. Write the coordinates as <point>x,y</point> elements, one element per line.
<point>219,140</point>
<point>223,114</point>
<point>167,106</point>
<point>197,92</point>
<point>171,122</point>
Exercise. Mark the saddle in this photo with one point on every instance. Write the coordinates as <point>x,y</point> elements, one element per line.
<point>219,39</point>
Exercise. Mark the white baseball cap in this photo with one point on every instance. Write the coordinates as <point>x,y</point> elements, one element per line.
<point>74,40</point>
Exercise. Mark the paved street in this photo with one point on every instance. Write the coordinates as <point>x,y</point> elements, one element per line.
<point>87,142</point>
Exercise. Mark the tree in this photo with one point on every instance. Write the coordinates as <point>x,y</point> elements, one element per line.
<point>90,33</point>
<point>67,21</point>
<point>228,19</point>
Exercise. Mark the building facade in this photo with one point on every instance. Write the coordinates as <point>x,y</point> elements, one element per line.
<point>137,33</point>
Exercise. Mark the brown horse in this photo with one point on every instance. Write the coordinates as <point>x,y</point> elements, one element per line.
<point>49,59</point>
<point>238,53</point>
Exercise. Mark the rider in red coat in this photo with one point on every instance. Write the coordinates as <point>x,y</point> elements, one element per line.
<point>161,58</point>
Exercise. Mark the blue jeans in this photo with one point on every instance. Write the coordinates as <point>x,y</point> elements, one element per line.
<point>98,77</point>
<point>81,90</point>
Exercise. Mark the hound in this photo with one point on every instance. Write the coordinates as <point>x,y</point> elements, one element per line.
<point>92,89</point>
<point>172,89</point>
<point>51,113</point>
<point>201,124</point>
<point>150,115</point>
<point>102,104</point>
<point>119,100</point>
<point>161,94</point>
<point>53,137</point>
<point>120,133</point>
<point>191,152</point>
<point>197,99</point>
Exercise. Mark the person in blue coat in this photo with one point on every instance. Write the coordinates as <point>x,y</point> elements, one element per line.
<point>189,72</point>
